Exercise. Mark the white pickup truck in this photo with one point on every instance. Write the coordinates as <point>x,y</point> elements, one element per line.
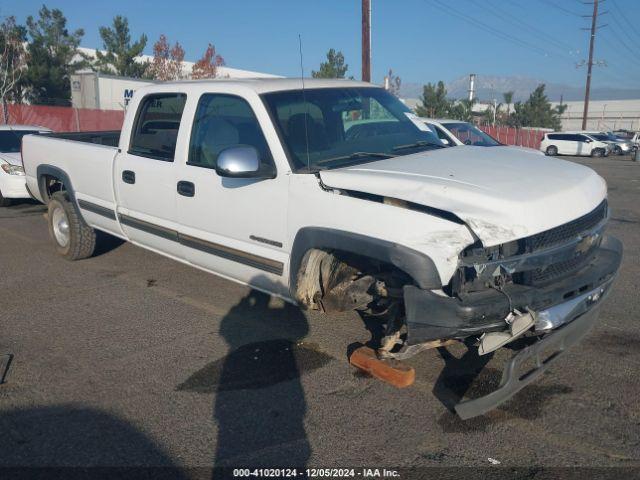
<point>332,195</point>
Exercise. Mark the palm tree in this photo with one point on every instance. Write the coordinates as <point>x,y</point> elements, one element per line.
<point>508,98</point>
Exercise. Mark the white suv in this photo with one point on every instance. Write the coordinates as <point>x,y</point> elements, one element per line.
<point>573,143</point>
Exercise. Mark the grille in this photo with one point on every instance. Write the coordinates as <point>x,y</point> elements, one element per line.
<point>554,237</point>
<point>566,232</point>
<point>555,271</point>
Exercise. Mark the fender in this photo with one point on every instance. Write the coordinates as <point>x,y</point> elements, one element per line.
<point>415,264</point>
<point>56,172</point>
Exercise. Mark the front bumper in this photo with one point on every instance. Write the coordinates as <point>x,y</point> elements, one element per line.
<point>564,313</point>
<point>432,317</point>
<point>13,186</point>
<point>543,352</point>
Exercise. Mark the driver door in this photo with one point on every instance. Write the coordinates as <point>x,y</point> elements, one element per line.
<point>235,227</point>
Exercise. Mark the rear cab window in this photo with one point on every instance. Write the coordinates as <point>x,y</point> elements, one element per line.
<point>155,131</point>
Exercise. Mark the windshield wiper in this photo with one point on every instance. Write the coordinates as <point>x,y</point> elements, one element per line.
<point>418,144</point>
<point>356,155</point>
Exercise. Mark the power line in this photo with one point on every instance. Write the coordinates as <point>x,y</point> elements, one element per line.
<point>538,32</point>
<point>487,28</point>
<point>624,44</point>
<point>631,26</point>
<point>565,10</point>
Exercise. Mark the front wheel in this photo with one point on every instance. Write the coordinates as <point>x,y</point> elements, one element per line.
<point>597,152</point>
<point>552,151</point>
<point>73,238</point>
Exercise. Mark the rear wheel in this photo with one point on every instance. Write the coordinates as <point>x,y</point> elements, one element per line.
<point>552,150</point>
<point>4,202</point>
<point>73,238</point>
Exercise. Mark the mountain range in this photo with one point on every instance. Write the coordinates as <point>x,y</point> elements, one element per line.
<point>490,86</point>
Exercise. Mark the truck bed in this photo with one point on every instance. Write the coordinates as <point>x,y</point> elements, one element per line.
<point>109,138</point>
<point>85,159</point>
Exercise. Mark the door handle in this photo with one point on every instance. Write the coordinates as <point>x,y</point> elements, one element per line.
<point>128,176</point>
<point>186,189</point>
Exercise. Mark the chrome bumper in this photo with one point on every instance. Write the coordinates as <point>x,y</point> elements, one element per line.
<point>558,315</point>
<point>569,323</point>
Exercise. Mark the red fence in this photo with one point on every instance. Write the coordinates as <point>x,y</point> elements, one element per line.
<point>525,137</point>
<point>64,119</point>
<point>67,119</point>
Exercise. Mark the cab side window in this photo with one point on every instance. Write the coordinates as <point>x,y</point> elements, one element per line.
<point>223,121</point>
<point>155,131</point>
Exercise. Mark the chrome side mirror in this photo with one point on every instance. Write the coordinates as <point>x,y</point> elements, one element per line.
<point>242,161</point>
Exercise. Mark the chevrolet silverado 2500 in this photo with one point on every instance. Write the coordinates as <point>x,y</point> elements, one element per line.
<point>333,195</point>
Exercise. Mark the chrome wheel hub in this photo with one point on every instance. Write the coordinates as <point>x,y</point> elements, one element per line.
<point>60,224</point>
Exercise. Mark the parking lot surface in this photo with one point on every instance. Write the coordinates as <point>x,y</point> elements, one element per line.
<point>132,359</point>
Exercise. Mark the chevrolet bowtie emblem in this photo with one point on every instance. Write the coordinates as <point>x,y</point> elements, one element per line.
<point>586,243</point>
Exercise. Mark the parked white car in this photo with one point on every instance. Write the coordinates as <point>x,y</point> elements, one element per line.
<point>337,198</point>
<point>456,133</point>
<point>573,143</point>
<point>12,180</point>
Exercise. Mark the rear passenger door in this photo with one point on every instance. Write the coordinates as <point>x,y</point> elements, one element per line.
<point>145,174</point>
<point>583,145</point>
<point>566,144</point>
<point>233,226</point>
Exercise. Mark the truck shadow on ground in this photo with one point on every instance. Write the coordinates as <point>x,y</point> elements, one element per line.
<point>259,405</point>
<point>90,440</point>
<point>105,243</point>
<point>469,377</point>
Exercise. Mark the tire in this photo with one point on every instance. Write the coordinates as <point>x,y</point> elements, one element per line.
<point>65,223</point>
<point>597,152</point>
<point>552,150</point>
<point>617,150</point>
<point>4,202</point>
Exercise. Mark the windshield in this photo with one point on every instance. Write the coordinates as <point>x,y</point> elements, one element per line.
<point>10,140</point>
<point>327,128</point>
<point>471,135</point>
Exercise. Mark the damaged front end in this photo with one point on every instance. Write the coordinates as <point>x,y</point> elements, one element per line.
<point>548,286</point>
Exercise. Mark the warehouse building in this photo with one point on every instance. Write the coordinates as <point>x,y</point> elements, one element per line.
<point>604,115</point>
<point>95,90</point>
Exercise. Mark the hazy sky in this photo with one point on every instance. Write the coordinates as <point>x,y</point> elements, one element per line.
<point>422,40</point>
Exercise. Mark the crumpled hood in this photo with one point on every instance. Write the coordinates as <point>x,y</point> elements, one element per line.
<point>500,193</point>
<point>12,158</point>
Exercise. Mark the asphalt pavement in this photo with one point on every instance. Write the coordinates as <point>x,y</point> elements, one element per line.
<point>132,359</point>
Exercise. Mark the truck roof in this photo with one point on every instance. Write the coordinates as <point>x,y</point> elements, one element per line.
<point>263,85</point>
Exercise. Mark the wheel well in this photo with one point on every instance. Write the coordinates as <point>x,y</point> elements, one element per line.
<point>49,184</point>
<point>338,280</point>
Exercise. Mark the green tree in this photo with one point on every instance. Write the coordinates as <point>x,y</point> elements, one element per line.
<point>121,56</point>
<point>13,60</point>
<point>53,56</point>
<point>537,112</point>
<point>435,103</point>
<point>334,67</point>
<point>463,110</point>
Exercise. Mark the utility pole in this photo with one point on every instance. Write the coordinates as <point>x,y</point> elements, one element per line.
<point>366,40</point>
<point>594,20</point>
